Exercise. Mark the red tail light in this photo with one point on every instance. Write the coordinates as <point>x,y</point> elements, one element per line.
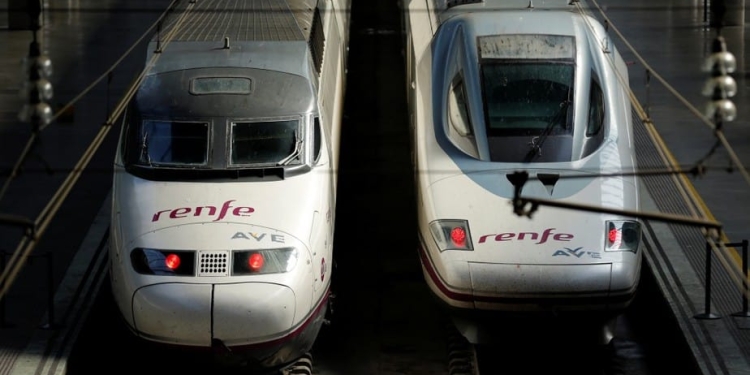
<point>263,261</point>
<point>458,236</point>
<point>622,235</point>
<point>451,234</point>
<point>255,261</point>
<point>612,235</point>
<point>172,261</point>
<point>163,262</point>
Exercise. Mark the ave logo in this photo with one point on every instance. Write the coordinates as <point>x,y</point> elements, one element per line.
<point>577,252</point>
<point>258,236</point>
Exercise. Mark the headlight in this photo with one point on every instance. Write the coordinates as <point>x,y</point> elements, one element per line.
<point>256,262</point>
<point>451,234</point>
<point>163,262</point>
<point>622,235</point>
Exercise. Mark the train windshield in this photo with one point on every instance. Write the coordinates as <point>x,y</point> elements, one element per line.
<point>523,99</point>
<point>266,142</point>
<point>174,143</point>
<point>528,103</point>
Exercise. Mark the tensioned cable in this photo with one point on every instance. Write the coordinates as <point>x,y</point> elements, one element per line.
<point>704,119</point>
<point>42,221</point>
<point>78,97</point>
<point>733,268</point>
<point>28,242</point>
<point>648,125</point>
<point>653,134</point>
<point>112,118</point>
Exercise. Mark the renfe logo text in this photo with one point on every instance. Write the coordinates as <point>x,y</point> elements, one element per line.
<point>529,235</point>
<point>182,212</point>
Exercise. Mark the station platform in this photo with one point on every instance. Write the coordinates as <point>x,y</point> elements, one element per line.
<point>88,42</point>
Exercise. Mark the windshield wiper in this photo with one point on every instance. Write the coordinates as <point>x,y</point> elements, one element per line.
<point>144,148</point>
<point>537,142</point>
<point>295,153</point>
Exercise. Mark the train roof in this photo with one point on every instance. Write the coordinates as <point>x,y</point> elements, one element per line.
<point>541,71</point>
<point>267,34</point>
<point>464,5</point>
<point>243,21</point>
<point>496,17</point>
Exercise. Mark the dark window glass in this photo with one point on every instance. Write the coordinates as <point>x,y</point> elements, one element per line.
<point>459,108</point>
<point>264,142</point>
<point>596,110</point>
<point>174,143</point>
<point>128,129</point>
<point>317,139</point>
<point>524,98</point>
<point>460,132</point>
<point>317,40</point>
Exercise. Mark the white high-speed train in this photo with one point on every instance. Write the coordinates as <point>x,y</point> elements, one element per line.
<point>500,86</point>
<point>224,189</point>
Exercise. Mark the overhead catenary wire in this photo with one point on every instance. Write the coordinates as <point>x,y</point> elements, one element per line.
<point>44,218</point>
<point>720,250</point>
<point>677,177</point>
<point>29,241</point>
<point>705,120</point>
<point>648,125</point>
<point>24,154</point>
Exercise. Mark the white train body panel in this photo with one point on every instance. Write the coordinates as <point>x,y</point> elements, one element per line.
<point>151,222</point>
<point>476,116</point>
<point>224,188</point>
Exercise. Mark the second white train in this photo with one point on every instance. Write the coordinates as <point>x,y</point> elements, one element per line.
<point>224,192</point>
<point>495,87</point>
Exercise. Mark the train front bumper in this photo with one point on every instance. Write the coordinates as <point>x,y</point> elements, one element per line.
<point>199,314</point>
<point>553,288</point>
<point>597,288</point>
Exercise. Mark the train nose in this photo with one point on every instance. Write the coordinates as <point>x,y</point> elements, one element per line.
<point>540,282</point>
<point>243,311</point>
<point>196,314</point>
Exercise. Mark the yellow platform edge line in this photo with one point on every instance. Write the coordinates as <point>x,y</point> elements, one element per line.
<point>687,184</point>
<point>661,146</point>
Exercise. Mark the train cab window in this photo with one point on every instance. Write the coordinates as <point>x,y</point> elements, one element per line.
<point>523,98</point>
<point>527,85</point>
<point>173,143</point>
<point>317,139</point>
<point>594,132</point>
<point>460,128</point>
<point>267,142</point>
<point>527,108</point>
<point>596,110</point>
<point>317,40</point>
